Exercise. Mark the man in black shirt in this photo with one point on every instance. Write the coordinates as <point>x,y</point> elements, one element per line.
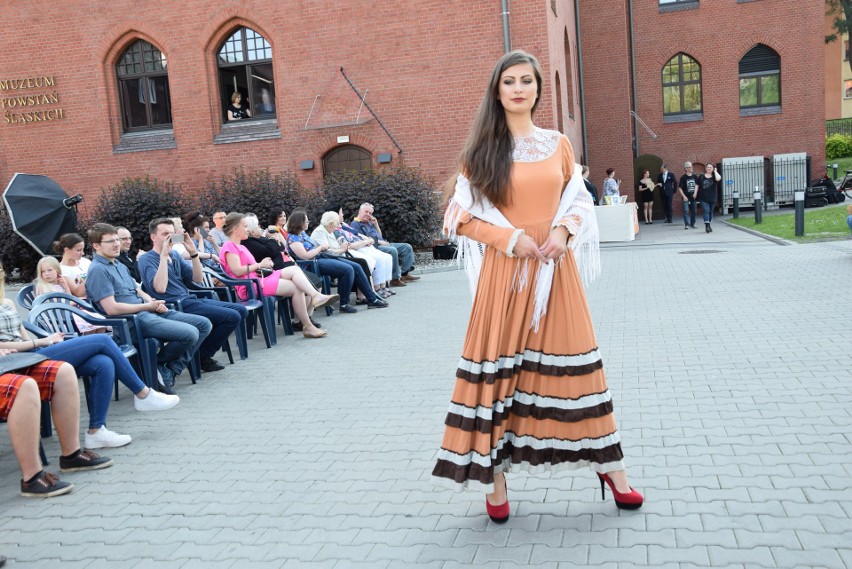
<point>687,188</point>
<point>668,184</point>
<point>125,241</point>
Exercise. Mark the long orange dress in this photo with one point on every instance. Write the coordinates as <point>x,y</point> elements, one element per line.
<point>527,400</point>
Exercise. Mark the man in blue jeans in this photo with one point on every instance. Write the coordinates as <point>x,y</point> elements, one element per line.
<point>402,253</point>
<point>166,275</point>
<point>109,283</point>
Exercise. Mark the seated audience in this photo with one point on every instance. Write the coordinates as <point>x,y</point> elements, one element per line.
<point>94,356</point>
<point>345,271</point>
<point>362,246</point>
<point>124,257</point>
<point>50,279</point>
<point>218,235</point>
<point>74,265</point>
<point>327,233</point>
<point>402,253</point>
<point>21,394</point>
<point>111,285</point>
<point>166,276</point>
<point>239,263</point>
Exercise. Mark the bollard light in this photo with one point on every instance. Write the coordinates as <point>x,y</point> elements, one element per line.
<point>800,212</point>
<point>736,195</point>
<point>758,214</point>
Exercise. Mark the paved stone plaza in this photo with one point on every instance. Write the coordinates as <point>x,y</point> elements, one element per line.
<point>728,357</point>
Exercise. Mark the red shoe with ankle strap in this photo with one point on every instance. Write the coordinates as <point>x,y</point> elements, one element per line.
<point>500,513</point>
<point>629,501</point>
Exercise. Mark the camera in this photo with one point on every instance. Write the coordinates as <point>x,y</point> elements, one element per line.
<point>177,238</point>
<point>272,229</point>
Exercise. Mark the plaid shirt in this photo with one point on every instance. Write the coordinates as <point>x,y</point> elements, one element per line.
<point>10,322</point>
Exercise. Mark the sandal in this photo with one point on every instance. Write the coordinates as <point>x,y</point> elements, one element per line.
<point>321,300</point>
<point>314,333</point>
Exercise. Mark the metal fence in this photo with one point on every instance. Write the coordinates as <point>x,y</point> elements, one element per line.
<point>777,179</point>
<point>838,126</point>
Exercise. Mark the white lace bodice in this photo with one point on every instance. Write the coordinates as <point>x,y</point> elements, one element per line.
<point>538,146</point>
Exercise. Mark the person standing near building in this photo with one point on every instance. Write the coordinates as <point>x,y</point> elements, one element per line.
<point>527,395</point>
<point>590,187</point>
<point>707,194</point>
<point>646,191</point>
<point>611,186</point>
<point>668,184</point>
<point>686,189</point>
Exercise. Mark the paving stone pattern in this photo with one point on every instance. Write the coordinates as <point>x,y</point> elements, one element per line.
<point>731,377</point>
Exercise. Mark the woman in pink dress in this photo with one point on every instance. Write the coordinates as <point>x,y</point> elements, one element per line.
<point>239,263</point>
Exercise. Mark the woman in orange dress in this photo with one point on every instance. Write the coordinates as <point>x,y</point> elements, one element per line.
<point>530,390</point>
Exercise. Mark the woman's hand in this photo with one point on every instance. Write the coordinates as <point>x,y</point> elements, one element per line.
<point>556,243</point>
<point>54,338</point>
<point>526,247</point>
<point>266,263</point>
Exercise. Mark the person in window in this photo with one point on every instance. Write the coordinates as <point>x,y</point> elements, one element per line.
<point>646,191</point>
<point>236,110</point>
<point>611,186</point>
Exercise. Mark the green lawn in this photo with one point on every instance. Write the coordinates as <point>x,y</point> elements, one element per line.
<point>843,164</point>
<point>820,223</point>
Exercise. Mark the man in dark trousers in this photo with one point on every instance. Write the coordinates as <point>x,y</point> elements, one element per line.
<point>668,185</point>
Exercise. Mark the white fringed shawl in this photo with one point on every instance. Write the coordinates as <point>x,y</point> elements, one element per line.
<point>575,212</point>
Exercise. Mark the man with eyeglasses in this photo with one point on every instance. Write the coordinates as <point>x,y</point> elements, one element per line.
<point>110,285</point>
<point>125,241</point>
<point>216,232</point>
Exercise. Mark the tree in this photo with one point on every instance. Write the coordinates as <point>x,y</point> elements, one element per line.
<point>841,11</point>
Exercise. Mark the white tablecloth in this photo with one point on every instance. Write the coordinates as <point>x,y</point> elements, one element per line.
<point>618,222</point>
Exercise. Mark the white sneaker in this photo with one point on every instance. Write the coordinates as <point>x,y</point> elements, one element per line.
<point>155,401</point>
<point>104,438</point>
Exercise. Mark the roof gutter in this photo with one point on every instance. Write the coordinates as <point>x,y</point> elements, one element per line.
<point>580,79</point>
<point>507,44</point>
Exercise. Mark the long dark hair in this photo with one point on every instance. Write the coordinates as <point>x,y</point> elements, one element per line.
<point>487,156</point>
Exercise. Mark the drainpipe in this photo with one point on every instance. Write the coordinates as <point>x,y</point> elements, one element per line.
<point>633,84</point>
<point>507,46</point>
<point>580,81</point>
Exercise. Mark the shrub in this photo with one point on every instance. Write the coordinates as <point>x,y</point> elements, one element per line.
<point>259,192</point>
<point>838,146</point>
<point>134,202</point>
<point>405,202</point>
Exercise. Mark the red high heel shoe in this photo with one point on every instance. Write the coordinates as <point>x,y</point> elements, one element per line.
<point>499,514</point>
<point>629,501</point>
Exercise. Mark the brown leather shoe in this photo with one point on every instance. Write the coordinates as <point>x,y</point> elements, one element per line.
<point>409,278</point>
<point>397,282</point>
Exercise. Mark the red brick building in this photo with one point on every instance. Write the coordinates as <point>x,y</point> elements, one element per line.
<point>92,92</point>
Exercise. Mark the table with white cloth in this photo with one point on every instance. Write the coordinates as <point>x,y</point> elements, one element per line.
<point>618,222</point>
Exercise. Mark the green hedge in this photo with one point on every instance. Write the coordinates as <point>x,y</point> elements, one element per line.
<point>405,202</point>
<point>838,146</point>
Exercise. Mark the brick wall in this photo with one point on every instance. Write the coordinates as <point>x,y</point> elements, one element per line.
<point>423,66</point>
<point>796,33</point>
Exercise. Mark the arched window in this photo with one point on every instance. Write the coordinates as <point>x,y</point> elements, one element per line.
<point>760,78</point>
<point>347,157</point>
<point>245,67</point>
<point>560,120</point>
<point>569,75</point>
<point>681,86</point>
<point>143,87</point>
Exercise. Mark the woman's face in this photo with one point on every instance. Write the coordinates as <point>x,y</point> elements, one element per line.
<point>708,169</point>
<point>646,174</point>
<point>237,101</point>
<point>75,253</point>
<point>48,274</point>
<point>518,89</point>
<point>282,219</point>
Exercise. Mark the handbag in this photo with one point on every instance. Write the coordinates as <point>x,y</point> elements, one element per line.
<point>19,360</point>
